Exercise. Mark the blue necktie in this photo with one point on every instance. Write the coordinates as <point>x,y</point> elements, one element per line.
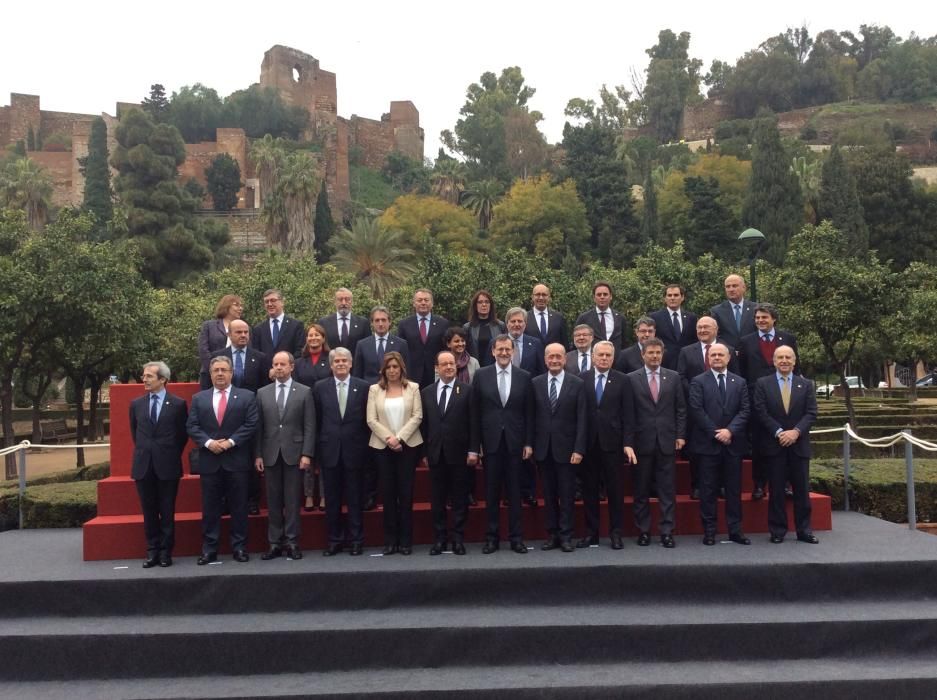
<point>722,388</point>
<point>380,349</point>
<point>275,333</point>
<point>153,415</point>
<point>599,388</point>
<point>553,394</point>
<point>738,317</point>
<point>543,325</point>
<point>238,366</point>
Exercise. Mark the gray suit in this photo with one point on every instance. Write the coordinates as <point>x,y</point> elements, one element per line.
<point>281,441</point>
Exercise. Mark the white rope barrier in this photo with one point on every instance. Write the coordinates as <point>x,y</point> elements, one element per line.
<point>27,445</point>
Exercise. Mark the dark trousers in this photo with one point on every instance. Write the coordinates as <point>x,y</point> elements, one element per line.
<point>559,488</point>
<point>724,469</point>
<point>158,503</point>
<point>344,484</point>
<point>370,480</point>
<point>659,467</point>
<point>600,465</point>
<point>787,468</point>
<point>528,480</point>
<point>284,494</point>
<point>397,471</point>
<point>449,484</point>
<point>503,467</point>
<point>217,489</point>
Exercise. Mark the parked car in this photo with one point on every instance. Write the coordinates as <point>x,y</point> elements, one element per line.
<point>825,390</point>
<point>927,380</point>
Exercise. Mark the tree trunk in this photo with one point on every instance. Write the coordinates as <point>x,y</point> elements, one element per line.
<point>847,395</point>
<point>96,381</point>
<point>6,409</point>
<point>79,382</point>
<point>42,386</point>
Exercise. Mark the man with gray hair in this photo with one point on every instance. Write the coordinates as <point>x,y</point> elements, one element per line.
<point>528,350</point>
<point>157,428</point>
<point>344,329</point>
<point>630,359</point>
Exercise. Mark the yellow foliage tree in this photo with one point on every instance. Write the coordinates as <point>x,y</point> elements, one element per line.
<point>419,216</point>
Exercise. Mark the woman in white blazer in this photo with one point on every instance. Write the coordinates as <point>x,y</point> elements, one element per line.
<point>395,412</point>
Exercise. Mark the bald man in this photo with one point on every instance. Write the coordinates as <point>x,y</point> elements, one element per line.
<point>736,315</point>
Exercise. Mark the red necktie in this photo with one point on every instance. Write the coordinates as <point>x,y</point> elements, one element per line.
<point>706,355</point>
<point>652,383</point>
<point>222,405</point>
<point>423,329</point>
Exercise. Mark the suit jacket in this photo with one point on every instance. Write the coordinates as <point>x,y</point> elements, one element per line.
<point>449,437</point>
<point>673,343</point>
<point>366,364</point>
<point>531,355</point>
<point>559,431</point>
<point>211,338</point>
<point>292,337</point>
<point>379,424</point>
<point>690,364</point>
<point>307,373</point>
<point>256,370</point>
<point>608,420</point>
<point>239,424</point>
<point>709,413</point>
<point>591,318</point>
<point>725,317</point>
<point>423,355</point>
<point>629,359</point>
<point>769,410</point>
<point>574,362</point>
<point>656,426</point>
<point>514,421</point>
<point>358,327</point>
<point>341,438</point>
<point>292,435</point>
<point>483,355</point>
<point>556,327</point>
<point>159,446</point>
<point>753,362</point>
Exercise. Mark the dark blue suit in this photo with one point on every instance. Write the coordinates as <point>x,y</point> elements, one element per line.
<point>423,355</point>
<point>531,355</point>
<point>291,338</point>
<point>673,343</point>
<point>256,369</point>
<point>367,365</point>
<point>224,477</point>
<point>718,463</point>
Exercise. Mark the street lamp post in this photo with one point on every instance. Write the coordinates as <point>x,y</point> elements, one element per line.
<point>756,239</point>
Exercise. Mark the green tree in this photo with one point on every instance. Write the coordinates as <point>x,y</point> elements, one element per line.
<point>97,198</point>
<point>298,183</point>
<point>807,171</point>
<point>448,180</point>
<point>25,185</point>
<point>525,147</point>
<point>763,80</point>
<point>838,202</point>
<point>261,111</point>
<point>223,178</point>
<point>421,217</point>
<point>196,111</point>
<point>673,78</point>
<point>31,139</point>
<point>375,255</point>
<point>913,336</point>
<point>159,215</point>
<point>406,174</point>
<point>650,222</point>
<point>774,204</point>
<point>480,199</point>
<point>324,225</point>
<point>710,227</point>
<point>156,105</point>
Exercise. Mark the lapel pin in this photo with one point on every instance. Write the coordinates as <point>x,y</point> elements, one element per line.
<point>457,389</point>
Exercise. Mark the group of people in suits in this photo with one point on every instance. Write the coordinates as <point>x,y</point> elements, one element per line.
<point>359,406</point>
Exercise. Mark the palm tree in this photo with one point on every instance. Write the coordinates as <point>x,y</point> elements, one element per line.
<point>267,154</point>
<point>481,200</point>
<point>374,255</point>
<point>808,174</point>
<point>448,180</point>
<point>298,185</point>
<point>25,185</point>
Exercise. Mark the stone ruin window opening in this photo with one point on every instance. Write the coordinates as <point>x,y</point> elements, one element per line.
<point>297,73</point>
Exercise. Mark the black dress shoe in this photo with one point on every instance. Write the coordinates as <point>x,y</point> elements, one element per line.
<point>807,537</point>
<point>722,492</point>
<point>150,562</point>
<point>667,541</point>
<point>458,548</point>
<point>758,493</point>
<point>578,497</point>
<point>241,556</point>
<point>587,542</point>
<point>777,539</point>
<point>739,538</point>
<point>567,546</point>
<point>370,504</point>
<point>789,492</point>
<point>207,559</point>
<point>694,494</point>
<point>332,550</point>
<point>389,549</point>
<point>472,501</point>
<point>406,550</point>
<point>253,509</point>
<point>165,560</point>
<point>709,540</point>
<point>617,543</point>
<point>530,501</point>
<point>356,550</point>
<point>644,539</point>
<point>272,553</point>
<point>437,549</point>
<point>293,552</point>
<point>518,547</point>
<point>490,546</point>
<point>550,544</point>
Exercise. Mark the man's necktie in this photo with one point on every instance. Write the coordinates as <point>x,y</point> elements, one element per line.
<point>503,386</point>
<point>553,394</point>
<point>281,400</point>
<point>599,388</point>
<point>706,355</point>
<point>543,325</point>
<point>786,393</point>
<point>222,406</point>
<point>516,359</point>
<point>442,400</point>
<point>275,333</point>
<point>584,365</point>
<point>677,331</point>
<point>423,328</point>
<point>766,338</point>
<point>738,318</point>
<point>343,336</point>
<point>380,349</point>
<point>238,366</point>
<point>602,323</point>
<point>652,384</point>
<point>722,388</point>
<point>342,399</point>
<point>153,415</point>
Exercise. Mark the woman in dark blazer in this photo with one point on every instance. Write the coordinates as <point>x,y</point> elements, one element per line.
<point>482,326</point>
<point>313,365</point>
<point>213,335</point>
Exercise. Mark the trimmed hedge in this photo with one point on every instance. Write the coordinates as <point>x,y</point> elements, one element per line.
<point>65,499</point>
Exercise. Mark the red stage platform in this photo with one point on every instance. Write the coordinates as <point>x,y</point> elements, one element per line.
<point>117,531</point>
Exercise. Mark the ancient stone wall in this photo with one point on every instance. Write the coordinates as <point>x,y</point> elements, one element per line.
<point>5,125</point>
<point>51,122</point>
<point>373,140</point>
<point>299,79</point>
<point>24,112</point>
<point>245,227</point>
<point>59,166</point>
<point>700,120</point>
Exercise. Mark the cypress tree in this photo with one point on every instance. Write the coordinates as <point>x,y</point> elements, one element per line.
<point>839,202</point>
<point>324,225</point>
<point>97,195</point>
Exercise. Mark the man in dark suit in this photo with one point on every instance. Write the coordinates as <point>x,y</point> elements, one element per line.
<point>157,428</point>
<point>756,359</point>
<point>528,350</point>
<point>560,431</point>
<point>607,323</point>
<point>545,324</point>
<point>656,435</point>
<point>579,359</point>
<point>451,440</point>
<point>786,406</point>
<point>222,423</point>
<point>719,405</point>
<point>251,366</point>
<point>735,316</point>
<point>278,331</point>
<point>284,447</point>
<point>503,407</point>
<point>609,405</point>
<point>369,353</point>
<point>423,333</point>
<point>630,359</point>
<point>675,325</point>
<point>344,329</point>
<point>342,436</point>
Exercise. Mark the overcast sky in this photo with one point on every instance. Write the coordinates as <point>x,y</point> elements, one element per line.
<point>82,57</point>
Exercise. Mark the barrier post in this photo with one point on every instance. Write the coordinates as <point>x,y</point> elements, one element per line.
<point>22,476</point>
<point>846,446</point>
<point>909,475</point>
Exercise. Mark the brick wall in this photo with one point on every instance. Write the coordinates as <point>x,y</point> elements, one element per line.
<point>24,112</point>
<point>59,166</point>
